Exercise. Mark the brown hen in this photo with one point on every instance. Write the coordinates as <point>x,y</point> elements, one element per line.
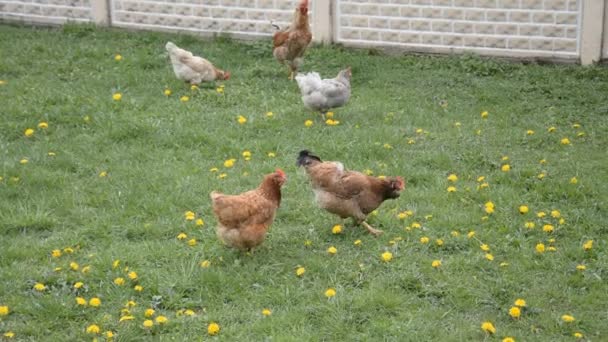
<point>290,43</point>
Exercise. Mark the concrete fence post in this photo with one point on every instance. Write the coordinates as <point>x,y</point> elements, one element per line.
<point>591,30</point>
<point>100,10</point>
<point>322,21</point>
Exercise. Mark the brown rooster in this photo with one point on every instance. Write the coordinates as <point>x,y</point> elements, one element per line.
<point>290,43</point>
<point>244,219</point>
<point>348,193</point>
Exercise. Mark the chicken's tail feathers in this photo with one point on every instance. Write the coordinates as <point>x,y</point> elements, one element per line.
<point>305,158</point>
<point>170,46</point>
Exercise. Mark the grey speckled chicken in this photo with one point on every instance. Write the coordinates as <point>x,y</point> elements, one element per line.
<point>324,94</point>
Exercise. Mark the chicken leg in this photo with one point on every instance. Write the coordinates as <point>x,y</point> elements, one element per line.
<point>372,230</point>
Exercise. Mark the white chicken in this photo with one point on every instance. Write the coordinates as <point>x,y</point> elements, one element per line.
<point>324,94</point>
<point>193,69</point>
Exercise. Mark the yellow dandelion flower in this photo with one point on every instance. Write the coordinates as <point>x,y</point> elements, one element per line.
<point>220,90</point>
<point>132,275</point>
<point>103,174</point>
<point>205,263</point>
<point>387,146</point>
<point>95,302</point>
<point>184,98</point>
<point>451,189</point>
<point>439,242</point>
<point>126,318</point>
<point>455,233</point>
<point>161,319</point>
<point>523,209</point>
<point>167,92</point>
<point>541,214</point>
<point>452,177</point>
<point>330,292</point>
<point>56,253</point>
<point>436,263</point>
<point>193,87</point>
<point>29,132</point>
<point>484,115</point>
<point>488,327</point>
<point>81,301</point>
<point>23,161</point>
<point>514,312</point>
<point>241,119</point>
<point>387,256</point>
<point>555,214</point>
<point>4,310</point>
<point>93,329</point>
<point>424,240</point>
<point>308,123</point>
<point>117,96</point>
<point>118,58</point>
<point>229,163</point>
<point>199,222</point>
<point>130,304</point>
<point>484,247</point>
<point>149,312</point>
<point>548,228</point>
<point>540,248</point>
<point>74,266</point>
<point>337,229</point>
<point>520,302</point>
<point>332,250</point>
<point>565,141</point>
<point>148,323</point>
<point>181,236</point>
<point>489,256</point>
<point>138,288</point>
<point>530,132</point>
<point>115,264</point>
<point>588,245</point>
<point>271,154</point>
<point>39,287</point>
<point>568,318</point>
<point>329,115</point>
<point>411,141</point>
<point>8,334</point>
<point>86,269</point>
<point>119,281</point>
<point>505,168</point>
<point>331,122</point>
<point>213,329</point>
<point>529,225</point>
<point>300,271</point>
<point>573,180</point>
<point>551,129</point>
<point>581,267</point>
<point>192,242</point>
<point>266,312</point>
<point>551,249</point>
<point>357,243</point>
<point>578,335</point>
<point>43,125</point>
<point>189,312</point>
<point>189,215</point>
<point>508,339</point>
<point>471,234</point>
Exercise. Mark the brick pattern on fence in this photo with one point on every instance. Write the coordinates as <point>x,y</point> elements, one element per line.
<point>46,11</point>
<point>534,27</point>
<point>239,17</point>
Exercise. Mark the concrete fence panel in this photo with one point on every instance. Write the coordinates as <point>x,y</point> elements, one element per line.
<point>46,11</point>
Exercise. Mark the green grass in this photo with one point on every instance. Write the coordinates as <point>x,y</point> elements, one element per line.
<point>158,152</point>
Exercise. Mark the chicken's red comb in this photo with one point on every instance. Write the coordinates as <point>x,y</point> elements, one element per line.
<point>401,183</point>
<point>304,3</point>
<point>280,172</point>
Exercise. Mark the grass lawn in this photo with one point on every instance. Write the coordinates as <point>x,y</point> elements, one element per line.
<point>107,185</point>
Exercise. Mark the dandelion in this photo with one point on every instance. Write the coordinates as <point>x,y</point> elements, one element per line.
<point>138,288</point>
<point>81,301</point>
<point>424,240</point>
<point>130,304</point>
<point>484,247</point>
<point>103,174</point>
<point>580,134</point>
<point>387,256</point>
<point>39,287</point>
<point>331,122</point>
<point>337,229</point>
<point>488,327</point>
<point>551,129</point>
<point>411,141</point>
<point>471,234</point>
<point>329,115</point>
<point>452,177</point>
<point>132,275</point>
<point>4,310</point>
<point>93,329</point>
<point>193,87</point>
<point>439,242</point>
<point>117,96</point>
<point>161,319</point>
<point>148,323</point>
<point>181,236</point>
<point>455,233</point>
<point>29,132</point>
<point>332,250</point>
<point>119,281</point>
<point>555,214</point>
<point>199,222</point>
<point>581,267</point>
<point>115,264</point>
<point>388,146</point>
<point>484,115</point>
<point>8,334</point>
<point>192,242</point>
<point>126,318</point>
<point>167,92</point>
<point>489,207</point>
<point>529,225</point>
<point>588,245</point>
<point>213,329</point>
<point>266,312</point>
<point>530,132</point>
<point>436,263</point>
<point>308,123</point>
<point>189,215</point>
<point>149,312</point>
<point>300,271</point>
<point>523,209</point>
<point>489,256</point>
<point>451,189</point>
<point>565,141</point>
<point>246,155</point>
<point>219,90</point>
<point>118,58</point>
<point>548,228</point>
<point>184,98</point>
<point>23,161</point>
<point>56,253</point>
<point>508,339</point>
<point>271,154</point>
<point>551,249</point>
<point>578,335</point>
<point>43,125</point>
<point>540,248</point>
<point>514,312</point>
<point>222,175</point>
<point>241,119</point>
<point>505,168</point>
<point>95,302</point>
<point>568,318</point>
<point>229,163</point>
<point>357,243</point>
<point>189,312</point>
<point>74,266</point>
<point>520,303</point>
<point>330,292</point>
<point>573,180</point>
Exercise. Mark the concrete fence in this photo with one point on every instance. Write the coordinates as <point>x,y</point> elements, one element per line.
<point>551,29</point>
